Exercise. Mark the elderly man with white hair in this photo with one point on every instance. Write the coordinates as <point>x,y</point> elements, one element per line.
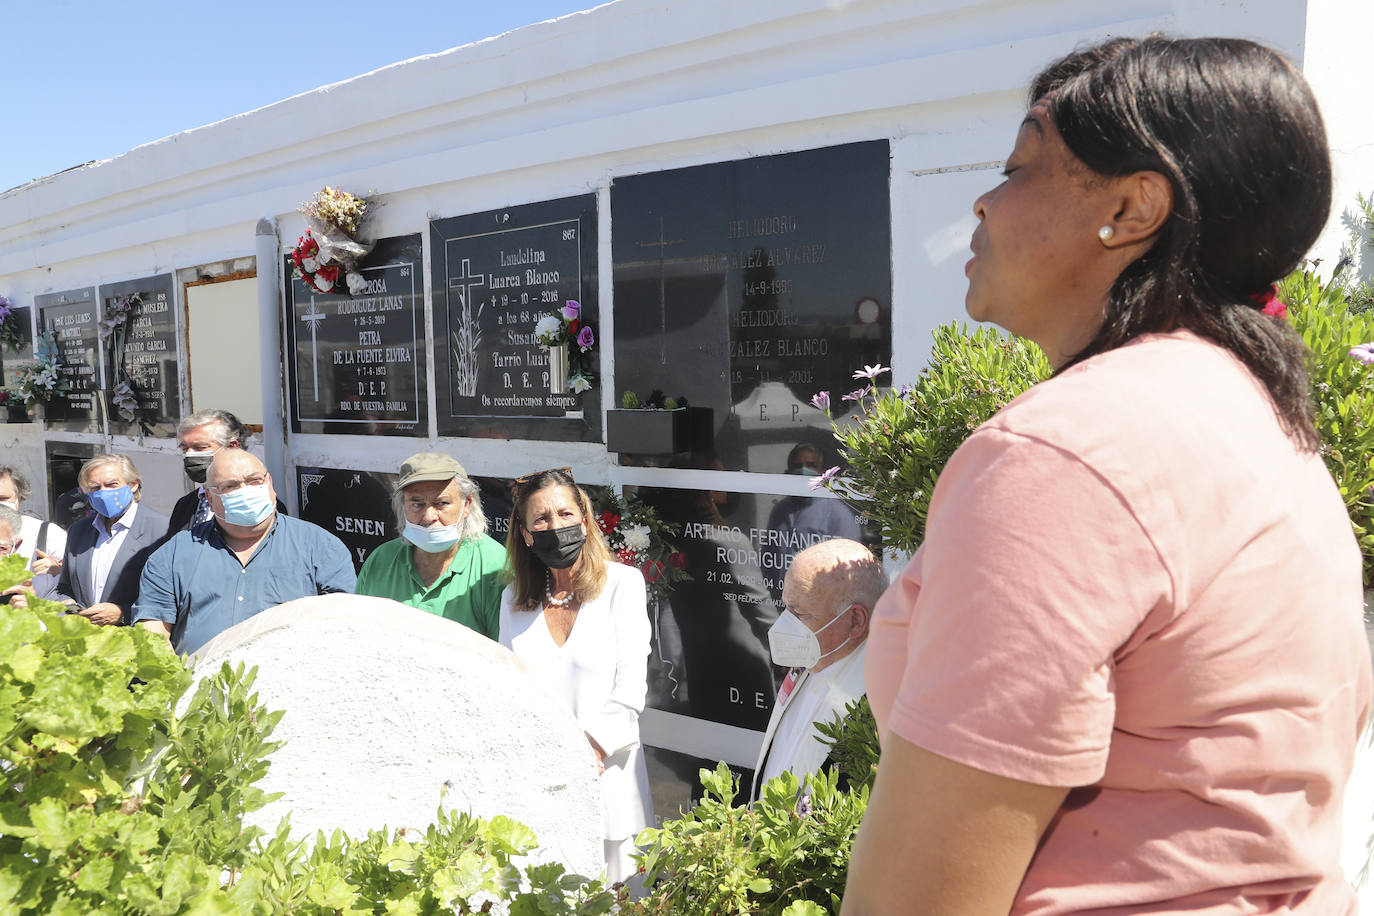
<point>444,562</point>
<point>44,585</point>
<point>828,597</point>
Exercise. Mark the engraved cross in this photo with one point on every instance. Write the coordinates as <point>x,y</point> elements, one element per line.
<point>465,282</point>
<point>314,316</point>
<point>662,244</point>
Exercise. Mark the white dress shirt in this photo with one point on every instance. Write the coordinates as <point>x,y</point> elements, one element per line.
<point>107,543</point>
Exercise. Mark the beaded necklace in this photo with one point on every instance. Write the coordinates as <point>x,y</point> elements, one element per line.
<point>550,600</point>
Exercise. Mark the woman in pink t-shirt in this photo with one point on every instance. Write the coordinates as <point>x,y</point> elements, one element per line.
<point>1126,671</point>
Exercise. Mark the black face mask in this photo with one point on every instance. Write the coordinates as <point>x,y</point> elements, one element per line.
<point>197,466</point>
<point>559,548</point>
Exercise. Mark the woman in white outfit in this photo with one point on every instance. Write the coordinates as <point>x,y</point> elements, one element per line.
<point>580,620</point>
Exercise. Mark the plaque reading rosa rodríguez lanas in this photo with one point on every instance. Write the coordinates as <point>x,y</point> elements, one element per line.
<point>357,362</point>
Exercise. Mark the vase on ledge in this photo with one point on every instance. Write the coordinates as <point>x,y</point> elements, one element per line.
<point>558,369</point>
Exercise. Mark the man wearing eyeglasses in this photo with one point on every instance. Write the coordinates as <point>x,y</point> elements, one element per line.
<point>245,559</point>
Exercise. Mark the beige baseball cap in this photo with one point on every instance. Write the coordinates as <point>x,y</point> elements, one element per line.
<point>429,466</point>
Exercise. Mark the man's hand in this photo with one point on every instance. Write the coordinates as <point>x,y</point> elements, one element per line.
<point>103,614</point>
<point>17,594</point>
<point>43,563</point>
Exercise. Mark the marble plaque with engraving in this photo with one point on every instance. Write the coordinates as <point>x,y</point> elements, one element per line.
<point>496,274</point>
<point>142,353</point>
<point>749,286</point>
<point>10,359</point>
<point>354,506</point>
<point>357,363</point>
<point>72,319</point>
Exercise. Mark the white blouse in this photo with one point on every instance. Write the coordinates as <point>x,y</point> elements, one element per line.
<point>600,673</point>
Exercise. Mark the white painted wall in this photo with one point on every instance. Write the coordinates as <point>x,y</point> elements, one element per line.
<point>564,107</point>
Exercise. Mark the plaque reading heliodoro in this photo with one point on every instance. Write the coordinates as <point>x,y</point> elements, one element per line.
<point>358,362</point>
<point>750,286</point>
<point>496,274</point>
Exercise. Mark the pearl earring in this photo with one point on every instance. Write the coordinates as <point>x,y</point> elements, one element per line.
<point>1106,233</point>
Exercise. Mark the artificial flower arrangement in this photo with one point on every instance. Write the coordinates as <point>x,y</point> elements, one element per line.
<point>114,330</point>
<point>639,538</point>
<point>565,328</point>
<point>9,324</point>
<point>333,245</point>
<point>41,380</point>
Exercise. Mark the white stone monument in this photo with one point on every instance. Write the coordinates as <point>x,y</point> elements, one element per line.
<point>389,708</point>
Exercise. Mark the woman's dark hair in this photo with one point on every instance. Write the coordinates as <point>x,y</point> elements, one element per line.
<point>527,573</point>
<point>1235,129</point>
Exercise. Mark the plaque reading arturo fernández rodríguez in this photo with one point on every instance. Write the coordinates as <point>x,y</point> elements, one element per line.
<point>357,362</point>
<point>501,272</point>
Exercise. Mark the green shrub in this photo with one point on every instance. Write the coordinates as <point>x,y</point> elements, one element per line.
<point>898,442</point>
<point>1342,392</point>
<point>111,803</point>
<point>787,855</point>
<point>854,747</point>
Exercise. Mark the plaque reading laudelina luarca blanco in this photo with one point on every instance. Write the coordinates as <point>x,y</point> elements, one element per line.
<point>501,272</point>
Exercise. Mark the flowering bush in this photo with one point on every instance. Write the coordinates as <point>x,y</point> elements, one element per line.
<point>334,246</point>
<point>10,334</point>
<point>1341,340</point>
<point>897,443</point>
<point>566,328</point>
<point>639,538</point>
<point>41,380</point>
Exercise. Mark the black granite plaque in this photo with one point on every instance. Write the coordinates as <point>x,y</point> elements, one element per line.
<point>749,286</point>
<point>72,319</point>
<point>496,274</point>
<point>358,362</point>
<point>354,506</point>
<point>710,658</point>
<point>141,353</point>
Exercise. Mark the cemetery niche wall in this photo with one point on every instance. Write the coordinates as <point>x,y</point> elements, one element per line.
<point>142,373</point>
<point>775,272</point>
<point>71,318</point>
<point>497,273</point>
<point>354,506</point>
<point>10,359</point>
<point>357,363</point>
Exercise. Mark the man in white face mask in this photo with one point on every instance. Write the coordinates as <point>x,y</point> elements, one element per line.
<point>828,596</point>
<point>444,562</point>
<point>251,558</point>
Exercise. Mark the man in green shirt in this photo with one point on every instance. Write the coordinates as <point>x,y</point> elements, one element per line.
<point>444,562</point>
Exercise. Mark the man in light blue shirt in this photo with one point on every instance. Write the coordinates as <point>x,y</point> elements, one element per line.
<point>244,560</point>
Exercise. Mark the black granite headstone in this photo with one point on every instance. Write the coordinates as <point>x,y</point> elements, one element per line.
<point>142,353</point>
<point>358,362</point>
<point>11,358</point>
<point>710,657</point>
<point>496,274</point>
<point>72,319</point>
<point>749,286</point>
<point>354,506</point>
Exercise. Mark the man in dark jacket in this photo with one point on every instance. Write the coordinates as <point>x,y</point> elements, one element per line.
<point>106,551</point>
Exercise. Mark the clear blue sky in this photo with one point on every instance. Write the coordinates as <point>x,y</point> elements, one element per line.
<point>90,79</point>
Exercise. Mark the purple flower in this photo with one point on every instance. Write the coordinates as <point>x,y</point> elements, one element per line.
<point>585,338</point>
<point>571,310</point>
<point>1364,353</point>
<point>872,372</point>
<point>821,400</point>
<point>804,807</point>
<point>857,395</point>
<point>906,392</point>
<point>824,479</point>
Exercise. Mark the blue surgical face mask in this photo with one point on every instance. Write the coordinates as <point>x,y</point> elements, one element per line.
<point>432,540</point>
<point>246,506</point>
<point>111,503</point>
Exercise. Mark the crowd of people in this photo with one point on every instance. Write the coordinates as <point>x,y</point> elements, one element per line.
<point>1127,670</point>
